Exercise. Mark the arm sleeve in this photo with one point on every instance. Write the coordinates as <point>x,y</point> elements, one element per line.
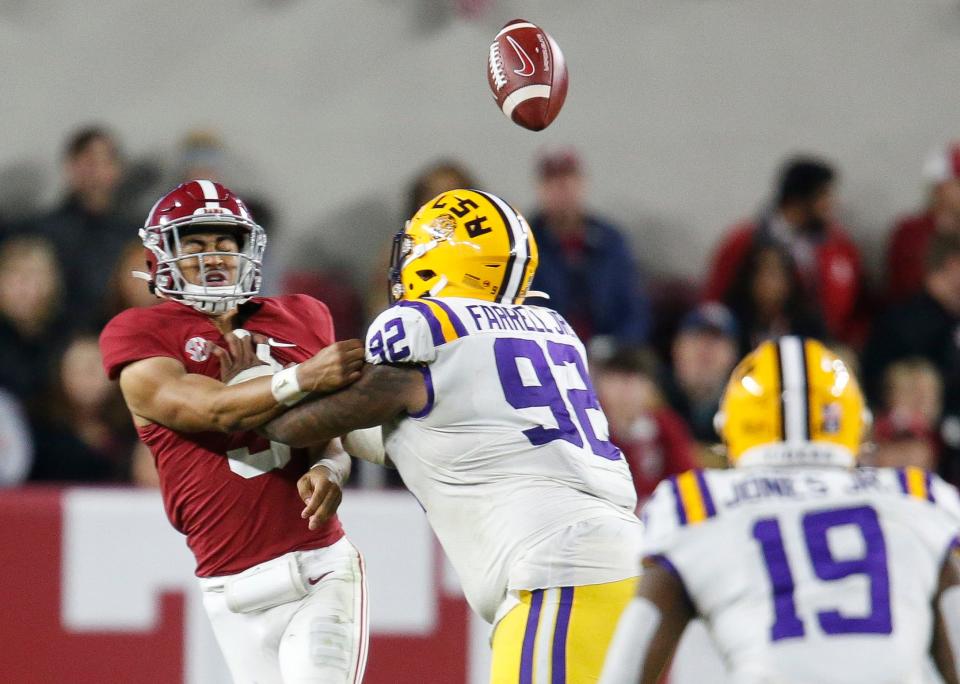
<point>403,334</point>
<point>127,338</point>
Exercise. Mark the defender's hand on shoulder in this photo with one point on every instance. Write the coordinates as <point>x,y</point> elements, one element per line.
<point>332,367</point>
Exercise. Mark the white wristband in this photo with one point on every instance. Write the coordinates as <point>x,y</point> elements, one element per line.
<point>338,472</point>
<point>286,387</point>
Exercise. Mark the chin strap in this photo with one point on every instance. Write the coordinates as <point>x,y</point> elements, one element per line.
<point>537,294</point>
<point>436,289</point>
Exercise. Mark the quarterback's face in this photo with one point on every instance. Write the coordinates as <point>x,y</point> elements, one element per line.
<point>217,269</point>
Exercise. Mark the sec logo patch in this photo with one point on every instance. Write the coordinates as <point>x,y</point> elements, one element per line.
<point>197,349</point>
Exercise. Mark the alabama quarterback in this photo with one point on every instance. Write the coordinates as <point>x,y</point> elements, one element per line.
<point>285,597</point>
<point>490,417</point>
<point>804,568</point>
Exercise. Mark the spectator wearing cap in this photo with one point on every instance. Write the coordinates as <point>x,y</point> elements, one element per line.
<point>926,326</point>
<point>654,439</point>
<point>88,229</point>
<point>802,220</point>
<point>586,266</point>
<point>703,353</point>
<point>911,235</point>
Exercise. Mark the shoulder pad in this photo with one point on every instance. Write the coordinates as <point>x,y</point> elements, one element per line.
<point>402,334</point>
<point>679,501</point>
<point>920,484</point>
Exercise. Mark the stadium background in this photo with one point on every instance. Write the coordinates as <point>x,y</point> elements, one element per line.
<point>680,111</point>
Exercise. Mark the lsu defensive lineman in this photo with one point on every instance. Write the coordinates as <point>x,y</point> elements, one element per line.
<point>491,419</point>
<point>806,570</point>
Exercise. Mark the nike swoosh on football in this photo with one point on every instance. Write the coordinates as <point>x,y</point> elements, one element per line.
<point>526,64</point>
<point>314,580</point>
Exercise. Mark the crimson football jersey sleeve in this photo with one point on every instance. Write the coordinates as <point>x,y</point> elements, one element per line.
<point>131,336</point>
<point>315,315</point>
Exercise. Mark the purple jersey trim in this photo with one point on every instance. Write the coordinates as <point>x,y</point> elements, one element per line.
<point>705,492</point>
<point>529,637</point>
<point>428,381</point>
<point>454,320</point>
<point>902,477</point>
<point>559,667</point>
<point>435,330</point>
<point>681,514</point>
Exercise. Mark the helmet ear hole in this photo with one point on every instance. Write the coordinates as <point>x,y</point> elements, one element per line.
<point>426,274</point>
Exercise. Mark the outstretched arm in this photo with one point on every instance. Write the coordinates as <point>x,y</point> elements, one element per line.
<point>649,629</point>
<point>382,393</point>
<point>946,635</point>
<point>160,390</point>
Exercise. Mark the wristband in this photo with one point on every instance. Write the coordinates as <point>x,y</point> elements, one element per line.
<point>286,387</point>
<point>338,471</point>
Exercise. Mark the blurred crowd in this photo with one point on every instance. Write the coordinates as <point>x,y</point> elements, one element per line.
<point>661,348</point>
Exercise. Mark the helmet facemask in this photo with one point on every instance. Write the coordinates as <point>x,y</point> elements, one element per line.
<point>165,242</point>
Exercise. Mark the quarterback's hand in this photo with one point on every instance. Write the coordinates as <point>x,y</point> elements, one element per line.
<point>321,493</point>
<point>332,367</point>
<point>240,354</point>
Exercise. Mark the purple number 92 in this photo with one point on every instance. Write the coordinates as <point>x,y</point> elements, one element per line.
<point>546,393</point>
<point>872,564</point>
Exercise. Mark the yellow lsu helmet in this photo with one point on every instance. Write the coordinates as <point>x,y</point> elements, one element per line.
<point>792,400</point>
<point>464,243</point>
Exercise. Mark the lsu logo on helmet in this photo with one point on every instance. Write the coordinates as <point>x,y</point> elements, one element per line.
<point>792,399</point>
<point>464,243</point>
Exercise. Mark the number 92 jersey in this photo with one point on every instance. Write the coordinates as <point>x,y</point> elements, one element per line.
<point>512,448</point>
<point>809,574</point>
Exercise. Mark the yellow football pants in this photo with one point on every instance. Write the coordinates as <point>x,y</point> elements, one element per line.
<point>559,635</point>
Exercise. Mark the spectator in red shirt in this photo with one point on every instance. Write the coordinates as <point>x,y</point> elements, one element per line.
<point>911,235</point>
<point>802,220</point>
<point>654,439</point>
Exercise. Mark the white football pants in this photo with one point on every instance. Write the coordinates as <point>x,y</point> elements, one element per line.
<point>318,639</point>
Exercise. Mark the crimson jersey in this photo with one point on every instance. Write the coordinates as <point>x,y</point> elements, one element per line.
<point>233,495</point>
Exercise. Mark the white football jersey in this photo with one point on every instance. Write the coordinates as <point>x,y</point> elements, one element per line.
<point>511,450</point>
<point>809,575</point>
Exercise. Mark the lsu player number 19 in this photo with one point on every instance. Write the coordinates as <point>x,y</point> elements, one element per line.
<point>804,568</point>
<point>490,417</point>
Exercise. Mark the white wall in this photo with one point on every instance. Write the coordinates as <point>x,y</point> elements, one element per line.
<point>683,107</point>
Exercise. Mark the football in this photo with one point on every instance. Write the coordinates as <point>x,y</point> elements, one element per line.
<point>527,74</point>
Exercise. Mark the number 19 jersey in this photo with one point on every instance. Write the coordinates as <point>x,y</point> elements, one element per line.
<point>809,575</point>
<point>511,452</point>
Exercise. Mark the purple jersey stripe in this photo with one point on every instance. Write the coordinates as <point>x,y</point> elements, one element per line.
<point>454,320</point>
<point>428,380</point>
<point>705,492</point>
<point>902,477</point>
<point>681,513</point>
<point>435,331</point>
<point>529,637</point>
<point>928,483</point>
<point>559,667</point>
